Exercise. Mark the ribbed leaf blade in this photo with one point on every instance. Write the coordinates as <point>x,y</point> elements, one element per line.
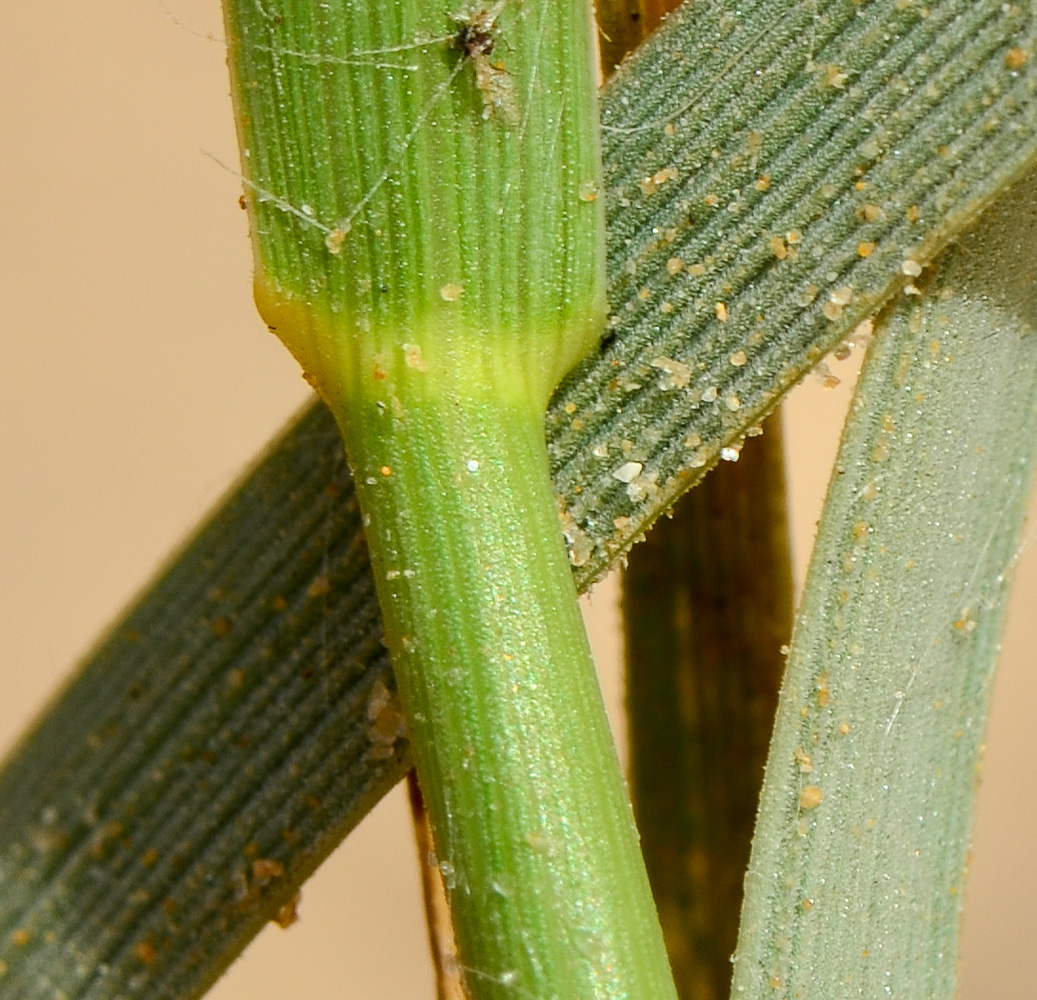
<point>856,881</point>
<point>639,409</point>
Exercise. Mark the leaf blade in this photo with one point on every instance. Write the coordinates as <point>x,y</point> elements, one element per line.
<point>937,161</point>
<point>867,800</point>
<point>657,421</point>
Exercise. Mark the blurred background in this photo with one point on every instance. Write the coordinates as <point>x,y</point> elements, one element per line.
<point>135,382</point>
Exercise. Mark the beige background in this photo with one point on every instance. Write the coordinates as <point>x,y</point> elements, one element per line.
<point>135,380</point>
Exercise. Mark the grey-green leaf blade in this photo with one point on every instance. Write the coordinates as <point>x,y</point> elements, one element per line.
<point>221,741</point>
<point>859,857</point>
<point>598,422</point>
<point>769,171</point>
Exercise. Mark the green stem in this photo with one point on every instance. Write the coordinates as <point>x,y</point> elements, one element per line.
<point>533,831</point>
<point>430,245</point>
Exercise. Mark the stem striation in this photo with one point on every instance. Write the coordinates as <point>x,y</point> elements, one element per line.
<point>422,186</point>
<point>534,835</point>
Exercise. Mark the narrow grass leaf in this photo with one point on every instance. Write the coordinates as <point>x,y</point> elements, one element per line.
<point>774,173</point>
<point>856,881</point>
<point>132,818</point>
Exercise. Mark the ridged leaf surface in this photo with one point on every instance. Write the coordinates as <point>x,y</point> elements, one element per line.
<point>770,168</point>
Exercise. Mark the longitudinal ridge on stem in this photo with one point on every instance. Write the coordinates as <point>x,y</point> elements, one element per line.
<point>434,258</point>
